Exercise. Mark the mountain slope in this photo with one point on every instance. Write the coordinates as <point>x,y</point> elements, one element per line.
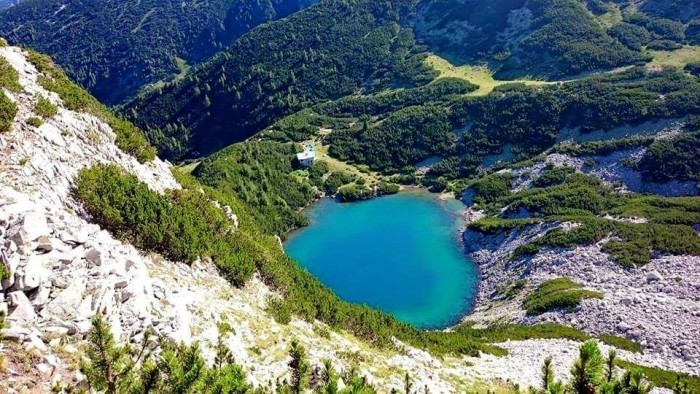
<point>336,49</point>
<point>543,38</point>
<point>116,48</point>
<point>67,187</point>
<point>332,49</point>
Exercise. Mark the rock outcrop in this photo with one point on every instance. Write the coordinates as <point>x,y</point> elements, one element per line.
<point>655,305</point>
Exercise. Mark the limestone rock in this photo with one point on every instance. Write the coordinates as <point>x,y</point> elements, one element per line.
<point>32,227</point>
<point>34,273</point>
<point>44,244</point>
<point>74,236</point>
<point>94,257</point>
<point>23,310</point>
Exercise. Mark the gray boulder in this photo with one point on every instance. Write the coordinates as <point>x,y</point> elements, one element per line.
<point>654,276</point>
<point>44,244</point>
<point>94,257</point>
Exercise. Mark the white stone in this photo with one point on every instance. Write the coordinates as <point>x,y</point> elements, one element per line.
<point>76,236</point>
<point>23,310</point>
<point>41,297</point>
<point>44,369</point>
<point>65,305</point>
<point>33,226</point>
<point>34,272</point>
<point>34,342</point>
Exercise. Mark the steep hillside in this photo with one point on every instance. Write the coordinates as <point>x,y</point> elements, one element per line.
<point>384,49</point>
<point>543,38</point>
<point>116,48</point>
<point>330,50</point>
<point>88,229</point>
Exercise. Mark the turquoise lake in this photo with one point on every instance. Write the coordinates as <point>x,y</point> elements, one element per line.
<point>399,253</point>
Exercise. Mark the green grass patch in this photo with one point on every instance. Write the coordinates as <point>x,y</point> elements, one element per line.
<point>621,343</point>
<point>560,293</point>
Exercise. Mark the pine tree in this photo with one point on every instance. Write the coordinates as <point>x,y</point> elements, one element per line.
<point>407,383</point>
<point>223,356</point>
<point>638,383</point>
<point>547,374</point>
<point>181,367</point>
<point>109,364</point>
<point>299,367</point>
<point>587,370</point>
<point>610,366</point>
<point>681,387</point>
<point>328,383</point>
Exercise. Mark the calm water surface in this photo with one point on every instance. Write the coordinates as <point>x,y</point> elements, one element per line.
<point>398,253</point>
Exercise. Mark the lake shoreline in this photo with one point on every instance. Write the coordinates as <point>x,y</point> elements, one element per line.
<point>433,251</point>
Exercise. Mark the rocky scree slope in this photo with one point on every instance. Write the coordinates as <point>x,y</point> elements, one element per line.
<point>655,305</point>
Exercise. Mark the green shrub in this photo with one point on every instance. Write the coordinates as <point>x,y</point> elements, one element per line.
<point>34,121</point>
<point>553,176</point>
<point>491,225</point>
<point>8,110</point>
<point>387,188</point>
<point>183,226</point>
<point>45,108</point>
<point>354,192</point>
<point>663,378</point>
<point>335,180</point>
<point>317,171</point>
<point>261,175</point>
<point>511,291</point>
<point>528,249</point>
<point>604,148</point>
<point>491,188</point>
<point>560,293</point>
<point>9,78</point>
<point>278,310</point>
<point>672,158</point>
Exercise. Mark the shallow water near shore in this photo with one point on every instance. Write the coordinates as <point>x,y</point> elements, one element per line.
<point>399,253</point>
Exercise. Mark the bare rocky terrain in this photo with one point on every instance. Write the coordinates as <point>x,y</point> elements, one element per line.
<point>656,306</point>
